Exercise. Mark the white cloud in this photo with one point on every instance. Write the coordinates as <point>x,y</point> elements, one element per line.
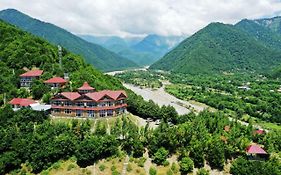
<point>139,17</point>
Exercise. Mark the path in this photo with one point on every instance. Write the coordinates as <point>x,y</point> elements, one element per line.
<point>125,165</point>
<point>148,162</point>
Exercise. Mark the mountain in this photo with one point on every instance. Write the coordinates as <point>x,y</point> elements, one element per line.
<point>219,48</point>
<point>114,43</point>
<point>274,24</point>
<point>143,51</point>
<point>260,33</point>
<point>158,44</point>
<point>94,54</point>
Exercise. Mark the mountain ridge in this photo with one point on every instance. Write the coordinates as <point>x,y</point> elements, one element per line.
<point>100,57</point>
<point>218,48</point>
<point>144,51</point>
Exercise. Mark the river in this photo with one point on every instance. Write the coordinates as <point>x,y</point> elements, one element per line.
<point>161,97</point>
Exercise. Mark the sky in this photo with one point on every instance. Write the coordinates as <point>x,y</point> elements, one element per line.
<point>127,18</point>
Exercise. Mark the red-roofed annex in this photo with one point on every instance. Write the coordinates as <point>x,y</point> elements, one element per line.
<point>56,82</point>
<point>255,149</point>
<point>27,77</point>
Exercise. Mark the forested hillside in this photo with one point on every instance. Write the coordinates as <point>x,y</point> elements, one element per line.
<point>273,24</point>
<point>220,48</point>
<point>20,50</point>
<point>94,54</point>
<point>265,32</point>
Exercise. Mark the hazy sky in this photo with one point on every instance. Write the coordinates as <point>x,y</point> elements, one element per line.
<point>140,17</point>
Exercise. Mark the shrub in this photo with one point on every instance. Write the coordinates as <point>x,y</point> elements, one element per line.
<point>115,172</point>
<point>186,165</point>
<point>170,172</point>
<point>166,163</point>
<point>152,171</point>
<point>202,171</point>
<point>174,168</point>
<point>102,167</point>
<point>56,165</point>
<point>141,161</point>
<point>113,168</point>
<point>70,167</point>
<point>129,167</point>
<point>160,156</point>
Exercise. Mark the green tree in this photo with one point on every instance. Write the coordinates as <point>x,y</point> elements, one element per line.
<point>186,165</point>
<point>160,156</point>
<point>38,89</point>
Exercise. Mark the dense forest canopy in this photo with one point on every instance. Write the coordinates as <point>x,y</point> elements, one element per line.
<point>220,48</point>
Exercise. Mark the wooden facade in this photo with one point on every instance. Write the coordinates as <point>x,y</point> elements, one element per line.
<point>93,104</point>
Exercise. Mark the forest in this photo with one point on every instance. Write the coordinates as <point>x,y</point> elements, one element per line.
<point>251,95</point>
<point>31,138</point>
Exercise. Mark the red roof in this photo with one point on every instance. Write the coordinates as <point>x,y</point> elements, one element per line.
<point>32,73</point>
<point>86,86</point>
<point>22,101</point>
<point>94,109</point>
<point>259,131</point>
<point>99,95</point>
<point>255,149</point>
<point>71,95</point>
<point>56,80</point>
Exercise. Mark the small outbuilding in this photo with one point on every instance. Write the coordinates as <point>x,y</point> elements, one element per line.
<point>56,82</point>
<point>255,152</point>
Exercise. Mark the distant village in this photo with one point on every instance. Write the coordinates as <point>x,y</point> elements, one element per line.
<point>86,102</point>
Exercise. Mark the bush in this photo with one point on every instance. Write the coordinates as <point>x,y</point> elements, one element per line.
<point>102,167</point>
<point>129,167</point>
<point>141,161</point>
<point>202,171</point>
<point>166,163</point>
<point>70,167</point>
<point>152,171</point>
<point>113,168</point>
<point>160,156</point>
<point>174,168</point>
<point>186,165</point>
<point>56,165</point>
<point>115,172</point>
<point>170,172</point>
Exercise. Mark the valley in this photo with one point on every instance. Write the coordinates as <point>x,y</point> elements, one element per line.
<point>84,100</point>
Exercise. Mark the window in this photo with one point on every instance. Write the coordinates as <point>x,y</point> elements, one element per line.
<point>67,111</point>
<point>91,113</point>
<point>102,104</point>
<point>79,113</point>
<point>91,104</point>
<point>102,113</point>
<point>57,103</point>
<point>110,113</point>
<point>67,103</point>
<point>109,103</point>
<point>80,103</point>
<point>56,110</point>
